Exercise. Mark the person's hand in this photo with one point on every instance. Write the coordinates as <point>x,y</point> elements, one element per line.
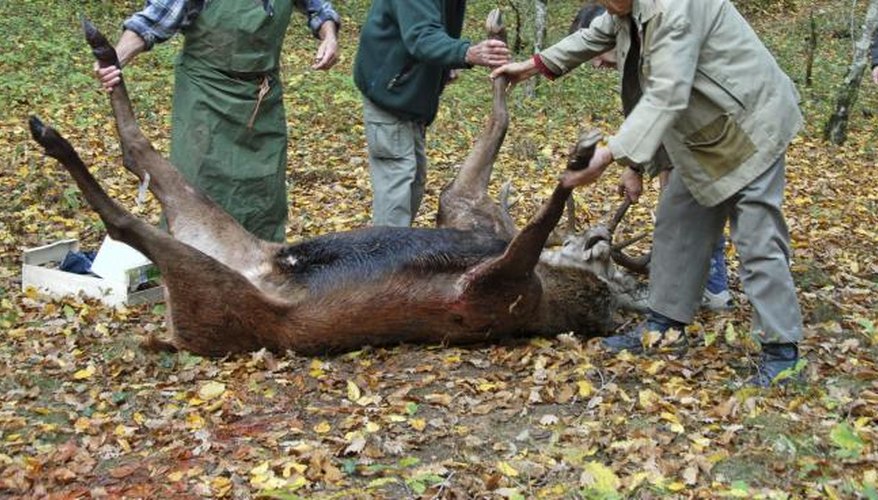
<point>108,77</point>
<point>490,53</point>
<point>875,75</point>
<point>327,51</point>
<point>129,45</point>
<point>601,159</point>
<point>631,184</point>
<point>516,72</point>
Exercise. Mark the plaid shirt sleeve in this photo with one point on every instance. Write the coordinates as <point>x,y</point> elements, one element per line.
<point>161,19</point>
<point>318,12</point>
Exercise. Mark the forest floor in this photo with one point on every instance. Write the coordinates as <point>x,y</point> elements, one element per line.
<point>85,412</point>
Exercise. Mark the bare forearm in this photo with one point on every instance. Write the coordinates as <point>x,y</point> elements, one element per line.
<point>328,30</point>
<point>129,45</point>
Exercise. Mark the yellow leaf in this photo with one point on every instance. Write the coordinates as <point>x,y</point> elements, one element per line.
<point>260,469</point>
<point>655,367</point>
<point>211,390</point>
<point>353,391</point>
<point>452,359</point>
<point>194,421</point>
<point>85,373</point>
<point>418,424</point>
<point>323,427</point>
<point>381,481</point>
<point>82,424</point>
<point>220,486</point>
<point>175,476</point>
<point>586,389</point>
<point>647,399</point>
<point>541,342</point>
<point>293,466</point>
<point>506,469</point>
<point>676,487</point>
<point>731,335</point>
<point>316,370</point>
<point>674,422</point>
<point>600,479</point>
<point>372,427</point>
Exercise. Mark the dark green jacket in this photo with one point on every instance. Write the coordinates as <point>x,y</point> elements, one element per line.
<point>406,50</point>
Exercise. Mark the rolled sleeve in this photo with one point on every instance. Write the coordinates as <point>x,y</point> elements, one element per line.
<point>674,59</point>
<point>580,46</point>
<point>542,68</point>
<point>424,36</point>
<point>158,21</point>
<point>318,12</point>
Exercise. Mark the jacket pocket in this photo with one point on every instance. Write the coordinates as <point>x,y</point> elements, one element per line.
<point>720,146</point>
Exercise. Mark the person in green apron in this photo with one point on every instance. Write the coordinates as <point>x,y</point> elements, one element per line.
<point>228,125</point>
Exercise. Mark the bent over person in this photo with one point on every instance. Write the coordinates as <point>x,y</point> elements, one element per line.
<point>407,52</point>
<point>716,99</point>
<point>228,125</point>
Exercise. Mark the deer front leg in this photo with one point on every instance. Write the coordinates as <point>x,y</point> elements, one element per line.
<point>464,204</point>
<point>523,252</point>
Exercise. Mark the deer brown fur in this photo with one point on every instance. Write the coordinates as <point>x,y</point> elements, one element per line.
<point>474,278</point>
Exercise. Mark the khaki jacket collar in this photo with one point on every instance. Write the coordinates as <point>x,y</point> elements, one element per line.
<point>644,10</point>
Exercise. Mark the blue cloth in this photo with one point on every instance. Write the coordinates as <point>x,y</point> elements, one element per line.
<point>160,19</point>
<point>718,277</point>
<point>78,262</point>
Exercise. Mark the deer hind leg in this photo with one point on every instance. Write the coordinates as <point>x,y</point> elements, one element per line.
<point>192,217</point>
<point>213,308</point>
<point>523,252</point>
<point>464,203</point>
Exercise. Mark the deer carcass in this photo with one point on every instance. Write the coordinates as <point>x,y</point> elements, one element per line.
<point>473,278</point>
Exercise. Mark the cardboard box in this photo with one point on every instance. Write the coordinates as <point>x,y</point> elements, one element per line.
<point>39,269</point>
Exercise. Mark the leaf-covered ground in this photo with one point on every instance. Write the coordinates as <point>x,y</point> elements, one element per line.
<point>84,412</point>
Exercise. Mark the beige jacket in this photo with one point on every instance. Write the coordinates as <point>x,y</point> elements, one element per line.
<point>712,93</point>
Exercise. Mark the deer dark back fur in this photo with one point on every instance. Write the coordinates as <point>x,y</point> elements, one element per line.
<point>475,280</point>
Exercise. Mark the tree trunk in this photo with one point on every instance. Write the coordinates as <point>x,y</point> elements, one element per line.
<point>836,128</point>
<point>812,50</point>
<point>540,23</point>
<point>517,44</point>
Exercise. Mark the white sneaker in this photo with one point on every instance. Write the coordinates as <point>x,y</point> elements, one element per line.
<point>721,301</point>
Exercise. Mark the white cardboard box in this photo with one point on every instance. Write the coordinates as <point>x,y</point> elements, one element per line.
<point>39,269</point>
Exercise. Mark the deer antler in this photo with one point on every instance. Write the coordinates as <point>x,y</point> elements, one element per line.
<point>639,265</point>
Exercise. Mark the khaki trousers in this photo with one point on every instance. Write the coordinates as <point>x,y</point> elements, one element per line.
<point>685,234</point>
<point>397,163</point>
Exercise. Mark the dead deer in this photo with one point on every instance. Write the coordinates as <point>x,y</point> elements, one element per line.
<point>472,279</point>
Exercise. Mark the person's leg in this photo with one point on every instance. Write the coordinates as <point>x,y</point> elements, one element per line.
<point>682,243</point>
<point>683,240</point>
<point>716,291</point>
<point>420,135</point>
<point>393,165</point>
<point>762,240</point>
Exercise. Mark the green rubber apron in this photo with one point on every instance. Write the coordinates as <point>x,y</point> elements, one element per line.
<point>229,131</point>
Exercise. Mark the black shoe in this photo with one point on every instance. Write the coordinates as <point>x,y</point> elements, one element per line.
<point>776,365</point>
<point>657,333</point>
